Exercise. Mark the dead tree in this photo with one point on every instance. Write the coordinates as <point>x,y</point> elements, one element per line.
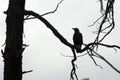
<point>14,43</point>
<point>12,53</point>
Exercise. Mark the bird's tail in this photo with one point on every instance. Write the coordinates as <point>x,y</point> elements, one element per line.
<point>78,50</point>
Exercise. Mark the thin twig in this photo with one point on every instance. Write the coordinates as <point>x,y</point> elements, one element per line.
<point>28,17</point>
<point>24,72</point>
<point>91,56</point>
<point>96,21</point>
<point>53,10</point>
<point>101,57</point>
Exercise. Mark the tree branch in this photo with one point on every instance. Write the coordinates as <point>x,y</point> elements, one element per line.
<point>107,17</point>
<point>91,56</point>
<point>48,25</point>
<point>27,17</point>
<point>101,57</point>
<point>73,71</point>
<point>24,72</point>
<point>53,10</point>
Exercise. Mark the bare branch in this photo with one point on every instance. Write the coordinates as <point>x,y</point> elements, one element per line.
<point>24,72</point>
<point>91,56</point>
<point>107,17</point>
<point>73,71</point>
<point>48,25</point>
<point>28,16</point>
<point>96,21</point>
<point>53,10</point>
<point>101,57</point>
<point>109,46</point>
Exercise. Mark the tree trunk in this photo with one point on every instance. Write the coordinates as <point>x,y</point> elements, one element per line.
<point>13,49</point>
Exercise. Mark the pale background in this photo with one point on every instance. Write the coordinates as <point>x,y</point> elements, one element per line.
<point>43,55</point>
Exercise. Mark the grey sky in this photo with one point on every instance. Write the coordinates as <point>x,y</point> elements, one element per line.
<point>44,53</point>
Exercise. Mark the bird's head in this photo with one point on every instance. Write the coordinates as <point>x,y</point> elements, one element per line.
<point>76,29</point>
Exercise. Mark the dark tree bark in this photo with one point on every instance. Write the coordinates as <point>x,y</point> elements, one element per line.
<point>13,49</point>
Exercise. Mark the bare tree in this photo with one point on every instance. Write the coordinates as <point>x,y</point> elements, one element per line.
<point>14,44</point>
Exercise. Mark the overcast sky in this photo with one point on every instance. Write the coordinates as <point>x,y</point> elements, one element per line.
<point>43,55</point>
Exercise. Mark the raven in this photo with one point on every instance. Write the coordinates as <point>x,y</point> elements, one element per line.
<point>77,39</point>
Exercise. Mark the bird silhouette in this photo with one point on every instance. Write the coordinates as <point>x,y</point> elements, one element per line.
<point>77,39</point>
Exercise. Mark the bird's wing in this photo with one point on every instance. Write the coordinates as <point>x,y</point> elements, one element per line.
<point>77,39</point>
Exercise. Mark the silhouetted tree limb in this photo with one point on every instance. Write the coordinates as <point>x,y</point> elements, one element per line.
<point>28,16</point>
<point>96,21</point>
<point>24,72</point>
<point>53,10</point>
<point>73,74</point>
<point>107,17</point>
<point>48,25</point>
<point>94,53</point>
<point>101,6</point>
<point>91,56</point>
